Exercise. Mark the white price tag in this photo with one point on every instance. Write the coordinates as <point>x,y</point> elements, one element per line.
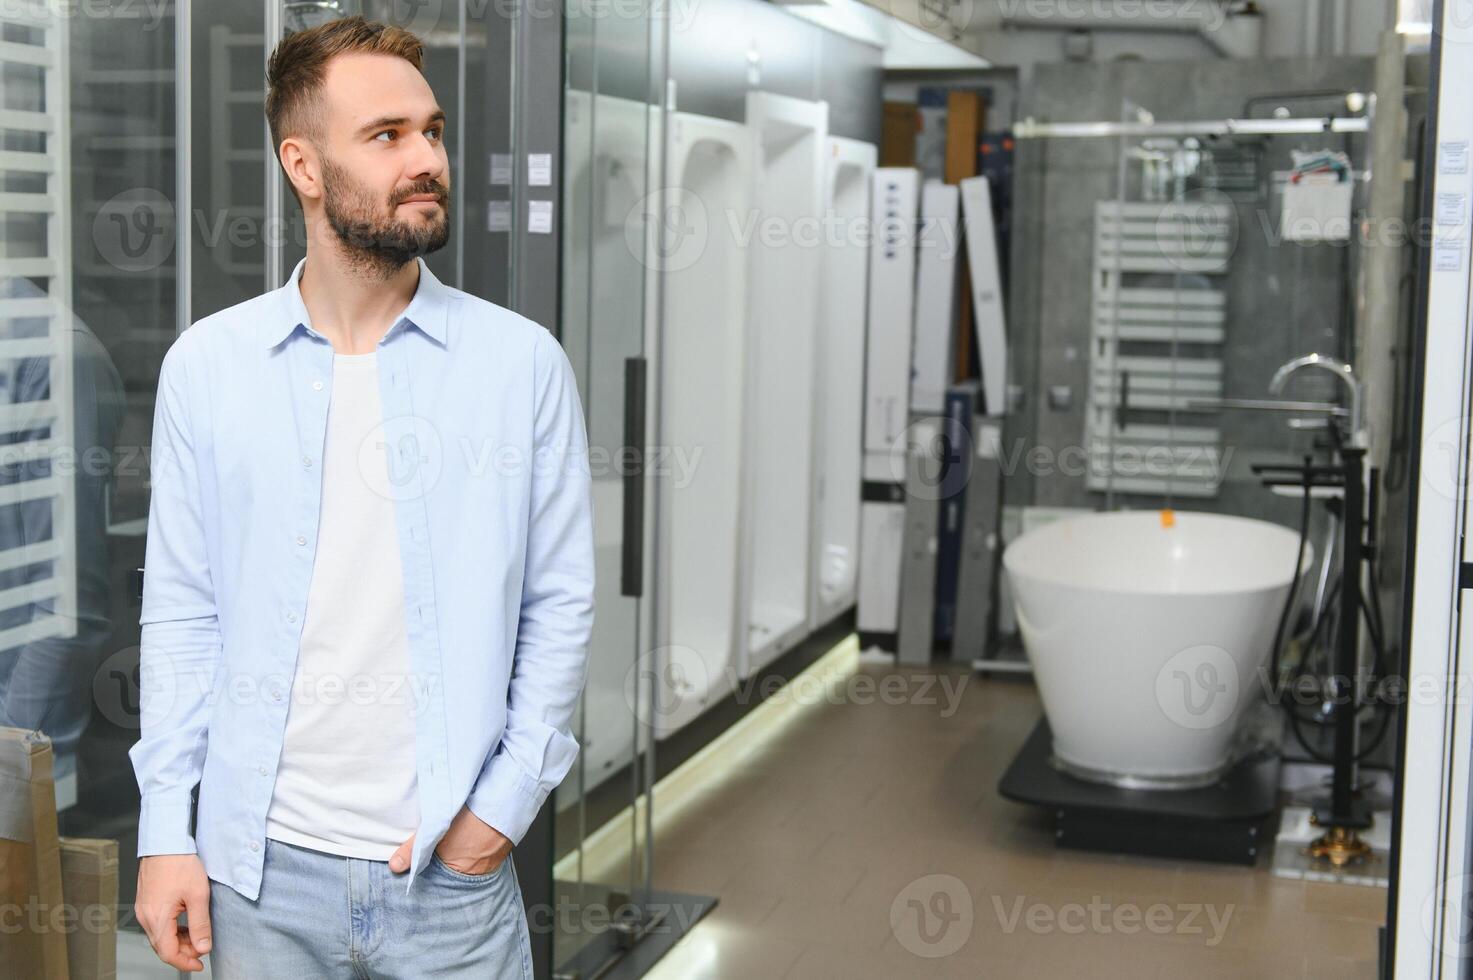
<point>539,217</point>
<point>501,168</point>
<point>1452,157</point>
<point>1450,209</point>
<point>498,216</point>
<point>539,169</point>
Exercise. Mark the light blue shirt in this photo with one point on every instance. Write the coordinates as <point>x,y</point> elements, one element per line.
<point>491,486</point>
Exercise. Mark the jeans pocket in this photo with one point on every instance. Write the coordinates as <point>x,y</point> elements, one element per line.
<point>461,876</point>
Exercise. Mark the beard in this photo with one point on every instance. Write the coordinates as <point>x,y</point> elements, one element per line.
<point>379,243</point>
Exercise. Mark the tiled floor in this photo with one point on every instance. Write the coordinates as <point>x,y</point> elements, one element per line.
<point>817,841</point>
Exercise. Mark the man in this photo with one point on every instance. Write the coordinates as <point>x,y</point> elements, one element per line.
<point>368,585</point>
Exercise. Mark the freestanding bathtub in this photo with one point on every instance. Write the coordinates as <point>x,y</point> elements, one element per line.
<point>1148,633</point>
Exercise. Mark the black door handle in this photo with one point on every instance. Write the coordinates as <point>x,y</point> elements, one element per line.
<point>631,578</point>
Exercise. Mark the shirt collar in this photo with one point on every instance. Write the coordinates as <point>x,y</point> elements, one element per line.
<point>429,309</point>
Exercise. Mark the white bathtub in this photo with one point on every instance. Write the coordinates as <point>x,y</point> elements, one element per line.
<point>1147,637</point>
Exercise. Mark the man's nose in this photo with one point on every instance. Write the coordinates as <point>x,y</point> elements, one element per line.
<point>426,162</point>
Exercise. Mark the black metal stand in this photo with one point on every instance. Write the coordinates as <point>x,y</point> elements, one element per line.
<point>1343,814</point>
<point>1224,822</point>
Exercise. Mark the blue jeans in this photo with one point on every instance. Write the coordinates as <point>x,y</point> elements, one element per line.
<point>325,916</point>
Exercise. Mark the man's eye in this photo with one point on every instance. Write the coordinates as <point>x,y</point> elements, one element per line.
<point>387,132</point>
<point>436,131</point>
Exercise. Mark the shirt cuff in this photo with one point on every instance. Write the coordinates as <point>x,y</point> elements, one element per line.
<point>505,798</point>
<point>163,825</point>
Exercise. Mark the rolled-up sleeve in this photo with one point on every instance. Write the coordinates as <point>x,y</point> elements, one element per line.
<point>180,641</point>
<point>556,619</point>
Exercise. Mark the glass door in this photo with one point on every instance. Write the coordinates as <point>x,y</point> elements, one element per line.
<point>611,155</point>
<point>90,269</point>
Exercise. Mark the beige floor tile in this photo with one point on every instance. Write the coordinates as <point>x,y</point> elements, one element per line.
<point>1241,886</point>
<point>1196,963</point>
<point>1345,901</point>
<point>1355,939</point>
<point>746,906</point>
<point>814,881</point>
<point>700,870</point>
<point>716,950</point>
<point>863,927</point>
<point>1340,968</point>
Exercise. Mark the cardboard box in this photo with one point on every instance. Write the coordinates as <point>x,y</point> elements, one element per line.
<point>89,885</point>
<point>966,114</point>
<point>898,134</point>
<point>30,859</point>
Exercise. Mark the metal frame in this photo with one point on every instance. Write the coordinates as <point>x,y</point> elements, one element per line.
<point>183,161</point>
<point>1426,935</point>
<point>275,24</point>
<point>535,290</point>
<point>1032,129</point>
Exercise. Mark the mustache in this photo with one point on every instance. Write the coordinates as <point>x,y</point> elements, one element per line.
<point>440,191</point>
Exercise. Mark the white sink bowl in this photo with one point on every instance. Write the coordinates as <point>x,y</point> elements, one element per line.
<point>1149,636</point>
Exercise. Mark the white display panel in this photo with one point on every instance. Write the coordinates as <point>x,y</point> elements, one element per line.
<point>936,291</point>
<point>702,271</point>
<point>883,538</point>
<point>789,139</point>
<point>987,299</point>
<point>839,391</point>
<point>895,197</point>
<point>603,188</point>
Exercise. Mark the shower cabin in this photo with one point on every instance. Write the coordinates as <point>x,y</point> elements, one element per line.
<point>1172,270</point>
<point>717,326</point>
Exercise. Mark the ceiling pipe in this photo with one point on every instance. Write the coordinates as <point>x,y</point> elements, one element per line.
<point>1232,34</point>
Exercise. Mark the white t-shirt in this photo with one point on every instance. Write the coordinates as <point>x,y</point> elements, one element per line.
<point>346,780</point>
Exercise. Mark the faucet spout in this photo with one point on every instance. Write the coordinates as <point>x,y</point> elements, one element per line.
<point>1335,366</point>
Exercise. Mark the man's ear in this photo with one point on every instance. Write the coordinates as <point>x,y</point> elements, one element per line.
<point>299,161</point>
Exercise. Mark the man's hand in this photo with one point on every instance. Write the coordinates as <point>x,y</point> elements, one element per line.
<point>470,846</point>
<point>167,885</point>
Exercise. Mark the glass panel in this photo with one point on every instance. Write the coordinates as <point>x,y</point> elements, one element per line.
<point>610,154</point>
<point>1224,257</point>
<point>1189,257</point>
<point>89,302</point>
<point>230,156</point>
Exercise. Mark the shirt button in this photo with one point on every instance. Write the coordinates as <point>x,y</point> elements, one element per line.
<point>301,539</point>
<point>317,386</point>
<point>255,845</point>
<point>306,460</point>
<point>276,694</point>
<point>262,770</point>
<point>291,617</point>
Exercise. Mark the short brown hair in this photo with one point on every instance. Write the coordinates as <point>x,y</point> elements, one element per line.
<point>298,66</point>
